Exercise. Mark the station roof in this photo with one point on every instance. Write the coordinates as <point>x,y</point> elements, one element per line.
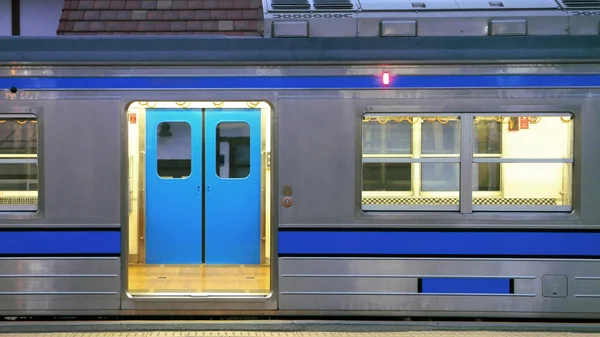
<point>161,17</point>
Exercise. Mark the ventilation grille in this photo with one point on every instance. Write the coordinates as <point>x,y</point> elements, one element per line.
<point>581,3</point>
<point>333,4</point>
<point>290,4</point>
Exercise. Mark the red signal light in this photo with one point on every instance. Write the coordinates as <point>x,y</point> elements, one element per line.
<point>386,78</point>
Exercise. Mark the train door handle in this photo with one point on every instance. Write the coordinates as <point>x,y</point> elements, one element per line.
<point>207,189</point>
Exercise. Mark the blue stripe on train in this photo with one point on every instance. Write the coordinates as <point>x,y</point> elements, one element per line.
<point>438,243</point>
<point>303,82</point>
<point>60,242</point>
<point>460,285</point>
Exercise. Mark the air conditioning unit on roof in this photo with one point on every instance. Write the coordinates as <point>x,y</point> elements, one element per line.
<point>394,18</point>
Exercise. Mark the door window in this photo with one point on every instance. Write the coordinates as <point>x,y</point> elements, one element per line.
<point>174,150</point>
<point>233,150</point>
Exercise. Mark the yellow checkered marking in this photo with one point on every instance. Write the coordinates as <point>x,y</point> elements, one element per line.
<point>454,201</point>
<point>409,201</point>
<point>18,201</point>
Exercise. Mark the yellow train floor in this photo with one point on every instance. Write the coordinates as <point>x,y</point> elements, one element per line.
<point>253,279</point>
<point>305,334</point>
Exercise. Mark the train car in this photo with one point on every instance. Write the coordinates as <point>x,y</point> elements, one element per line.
<point>403,162</point>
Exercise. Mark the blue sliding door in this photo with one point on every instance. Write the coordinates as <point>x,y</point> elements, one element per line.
<point>233,183</point>
<point>173,186</point>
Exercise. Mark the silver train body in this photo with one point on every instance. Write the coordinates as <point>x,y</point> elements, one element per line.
<point>334,249</point>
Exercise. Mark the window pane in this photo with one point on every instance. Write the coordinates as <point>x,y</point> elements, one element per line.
<point>531,186</point>
<point>440,135</point>
<point>440,176</point>
<point>18,177</point>
<point>18,136</point>
<point>524,137</point>
<point>486,177</point>
<point>386,177</point>
<point>386,135</point>
<point>174,150</point>
<point>18,187</point>
<point>487,136</point>
<point>233,150</point>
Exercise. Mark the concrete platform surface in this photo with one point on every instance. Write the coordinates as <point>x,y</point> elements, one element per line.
<point>303,334</point>
<point>291,328</point>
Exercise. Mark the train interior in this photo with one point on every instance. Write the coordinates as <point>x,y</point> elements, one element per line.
<point>519,163</point>
<point>199,198</point>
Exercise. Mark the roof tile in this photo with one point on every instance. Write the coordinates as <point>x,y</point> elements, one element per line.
<point>133,4</point>
<point>123,15</point>
<point>161,17</point>
<point>234,14</point>
<point>218,15</point>
<point>115,26</point>
<point>195,4</point>
<point>81,26</point>
<point>250,14</point>
<point>126,26</point>
<point>101,4</point>
<point>139,15</point>
<point>76,15</point>
<point>108,15</point>
<point>186,15</point>
<point>202,15</point>
<point>161,26</point>
<point>85,4</point>
<point>117,4</point>
<point>148,4</point>
<point>171,15</point>
<point>146,26</point>
<point>98,26</point>
<point>180,4</point>
<point>155,15</point>
<point>164,4</point>
<point>89,15</point>
<point>211,4</point>
<point>177,26</point>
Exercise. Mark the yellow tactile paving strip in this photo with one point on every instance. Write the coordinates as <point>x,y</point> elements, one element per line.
<point>303,334</point>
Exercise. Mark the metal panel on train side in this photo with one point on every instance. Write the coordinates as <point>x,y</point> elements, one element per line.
<point>316,159</point>
<point>392,284</point>
<point>45,284</point>
<point>80,155</point>
<point>328,194</point>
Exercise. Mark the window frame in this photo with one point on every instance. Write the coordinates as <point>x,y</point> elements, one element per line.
<point>22,209</point>
<point>219,139</point>
<point>523,208</point>
<point>416,167</point>
<point>158,148</point>
<point>467,158</point>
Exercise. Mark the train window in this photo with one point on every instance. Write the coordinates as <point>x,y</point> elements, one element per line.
<point>410,162</point>
<point>18,163</point>
<point>518,163</point>
<point>233,150</point>
<point>174,150</point>
<point>526,160</point>
<point>440,138</point>
<point>487,143</point>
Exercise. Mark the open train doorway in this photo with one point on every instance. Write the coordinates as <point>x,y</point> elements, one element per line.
<point>199,199</point>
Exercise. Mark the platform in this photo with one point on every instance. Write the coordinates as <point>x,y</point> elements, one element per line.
<point>293,328</point>
<point>305,334</point>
